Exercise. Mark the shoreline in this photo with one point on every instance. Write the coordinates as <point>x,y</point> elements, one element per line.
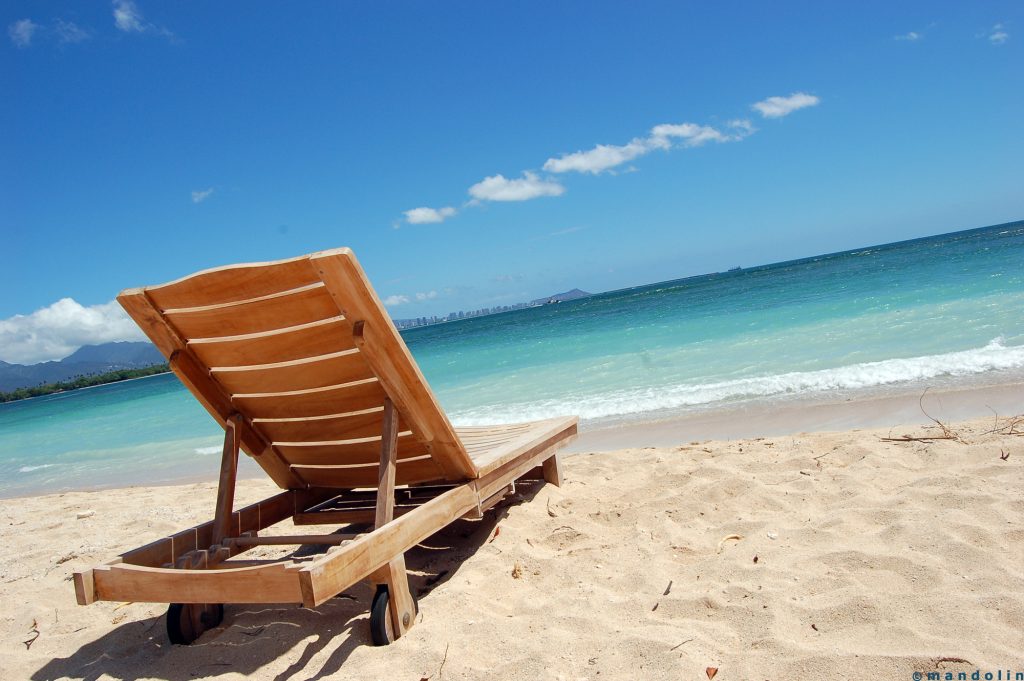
<point>810,414</point>
<point>758,418</point>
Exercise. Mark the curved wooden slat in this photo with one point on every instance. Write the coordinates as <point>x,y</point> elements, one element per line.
<point>234,282</point>
<point>267,313</point>
<point>295,342</point>
<point>348,452</point>
<point>408,472</point>
<point>335,368</point>
<point>365,423</point>
<point>315,402</point>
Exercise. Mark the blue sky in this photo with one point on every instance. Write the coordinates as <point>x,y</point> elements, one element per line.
<point>142,141</point>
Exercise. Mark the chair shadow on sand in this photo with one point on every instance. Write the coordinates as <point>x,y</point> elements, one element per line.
<point>253,636</point>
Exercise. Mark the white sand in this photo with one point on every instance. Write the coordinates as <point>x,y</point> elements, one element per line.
<point>857,559</point>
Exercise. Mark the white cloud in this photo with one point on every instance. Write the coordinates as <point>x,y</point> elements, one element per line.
<point>693,135</point>
<point>56,331</point>
<point>200,195</point>
<point>392,301</point>
<point>777,107</point>
<point>424,215</point>
<point>600,158</point>
<point>998,36</point>
<point>127,17</point>
<point>21,32</point>
<point>398,299</point>
<point>70,32</point>
<point>741,128</point>
<point>605,156</point>
<point>911,36</point>
<point>529,186</point>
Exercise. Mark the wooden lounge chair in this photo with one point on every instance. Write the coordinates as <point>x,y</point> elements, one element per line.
<point>299,362</point>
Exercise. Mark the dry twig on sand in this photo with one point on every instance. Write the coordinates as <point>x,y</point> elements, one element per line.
<point>33,634</point>
<point>947,432</point>
<point>1012,426</point>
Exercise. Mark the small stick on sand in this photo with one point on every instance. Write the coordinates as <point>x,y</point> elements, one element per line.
<point>923,438</point>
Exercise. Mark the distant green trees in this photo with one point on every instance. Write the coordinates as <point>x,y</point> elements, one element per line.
<point>83,382</point>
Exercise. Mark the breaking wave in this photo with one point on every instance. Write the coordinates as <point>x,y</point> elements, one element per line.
<point>992,357</point>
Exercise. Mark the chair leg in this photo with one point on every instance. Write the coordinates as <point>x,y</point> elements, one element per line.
<point>401,606</point>
<point>228,474</point>
<point>400,603</point>
<point>552,470</point>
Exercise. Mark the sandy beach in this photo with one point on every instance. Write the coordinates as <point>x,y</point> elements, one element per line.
<point>824,555</point>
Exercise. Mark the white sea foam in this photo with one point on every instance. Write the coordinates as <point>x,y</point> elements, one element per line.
<point>208,451</point>
<point>29,469</point>
<point>992,357</point>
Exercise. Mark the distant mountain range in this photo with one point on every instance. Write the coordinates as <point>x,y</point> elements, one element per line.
<point>86,361</point>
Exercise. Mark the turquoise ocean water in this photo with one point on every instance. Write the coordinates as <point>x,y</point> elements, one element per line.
<point>941,311</point>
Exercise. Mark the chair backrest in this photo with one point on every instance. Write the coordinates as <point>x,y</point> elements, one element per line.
<point>304,351</point>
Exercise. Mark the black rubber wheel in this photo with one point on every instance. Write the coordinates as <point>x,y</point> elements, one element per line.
<point>187,621</point>
<point>381,630</point>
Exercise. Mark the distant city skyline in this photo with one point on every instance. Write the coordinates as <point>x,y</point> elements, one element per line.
<point>574,294</point>
<point>483,155</point>
<point>456,316</point>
